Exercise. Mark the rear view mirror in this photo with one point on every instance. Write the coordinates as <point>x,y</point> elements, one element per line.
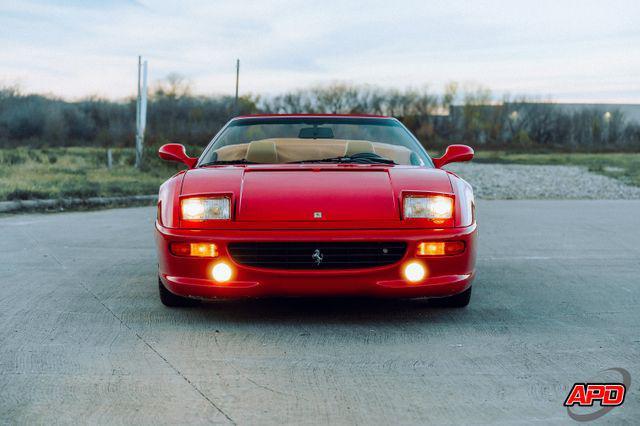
<point>176,152</point>
<point>316,133</point>
<point>454,154</point>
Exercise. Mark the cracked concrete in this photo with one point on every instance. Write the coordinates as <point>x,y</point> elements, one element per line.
<point>84,338</point>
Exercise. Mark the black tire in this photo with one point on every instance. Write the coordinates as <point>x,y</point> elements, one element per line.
<point>173,301</point>
<point>459,300</point>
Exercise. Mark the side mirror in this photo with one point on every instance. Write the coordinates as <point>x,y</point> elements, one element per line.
<point>176,152</point>
<point>454,154</point>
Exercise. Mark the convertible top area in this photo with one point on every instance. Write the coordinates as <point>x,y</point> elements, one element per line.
<point>278,139</point>
<point>286,150</point>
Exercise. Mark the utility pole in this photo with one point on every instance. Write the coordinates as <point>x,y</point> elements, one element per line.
<point>141,110</point>
<point>235,104</point>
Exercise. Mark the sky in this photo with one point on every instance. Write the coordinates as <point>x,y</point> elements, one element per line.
<point>560,50</point>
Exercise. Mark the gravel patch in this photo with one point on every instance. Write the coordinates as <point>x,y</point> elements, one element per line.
<point>515,181</point>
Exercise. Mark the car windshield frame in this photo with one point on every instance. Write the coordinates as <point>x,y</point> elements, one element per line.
<point>417,147</point>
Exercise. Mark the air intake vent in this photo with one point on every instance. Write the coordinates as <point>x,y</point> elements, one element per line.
<point>322,255</point>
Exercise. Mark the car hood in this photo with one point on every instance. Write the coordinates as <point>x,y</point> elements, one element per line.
<point>331,193</point>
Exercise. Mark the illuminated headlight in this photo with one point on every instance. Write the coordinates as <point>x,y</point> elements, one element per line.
<point>428,207</point>
<point>205,208</point>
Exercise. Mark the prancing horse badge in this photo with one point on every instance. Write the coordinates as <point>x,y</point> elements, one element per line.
<point>317,257</point>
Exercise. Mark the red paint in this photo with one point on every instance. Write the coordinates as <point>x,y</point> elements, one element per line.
<point>453,154</point>
<point>292,192</point>
<point>190,276</point>
<point>176,152</point>
<point>277,203</point>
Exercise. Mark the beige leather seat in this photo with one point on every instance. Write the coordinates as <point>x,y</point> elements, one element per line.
<point>263,151</point>
<point>282,150</point>
<point>356,147</point>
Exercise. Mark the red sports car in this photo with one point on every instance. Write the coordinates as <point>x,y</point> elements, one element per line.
<point>310,205</point>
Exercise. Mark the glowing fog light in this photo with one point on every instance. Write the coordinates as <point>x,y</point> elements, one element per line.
<point>221,272</point>
<point>414,272</point>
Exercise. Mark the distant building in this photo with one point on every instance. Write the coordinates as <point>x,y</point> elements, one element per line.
<point>538,120</point>
<point>630,112</point>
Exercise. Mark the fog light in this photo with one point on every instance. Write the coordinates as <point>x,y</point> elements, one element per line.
<point>221,272</point>
<point>414,272</point>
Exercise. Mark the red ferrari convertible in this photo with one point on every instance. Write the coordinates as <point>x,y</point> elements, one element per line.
<point>310,205</point>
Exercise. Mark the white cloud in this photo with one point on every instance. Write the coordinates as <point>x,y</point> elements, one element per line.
<point>571,49</point>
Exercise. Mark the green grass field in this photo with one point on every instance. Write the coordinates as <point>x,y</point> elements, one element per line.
<point>77,172</point>
<point>82,172</point>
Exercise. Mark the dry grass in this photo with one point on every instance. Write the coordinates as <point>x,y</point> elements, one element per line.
<point>82,172</point>
<point>77,172</point>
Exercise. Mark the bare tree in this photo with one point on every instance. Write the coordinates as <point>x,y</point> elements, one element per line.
<point>173,86</point>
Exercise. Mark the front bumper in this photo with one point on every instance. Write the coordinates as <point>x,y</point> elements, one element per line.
<point>191,277</point>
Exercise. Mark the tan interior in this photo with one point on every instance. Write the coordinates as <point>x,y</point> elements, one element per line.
<point>263,151</point>
<point>284,150</point>
<point>356,147</point>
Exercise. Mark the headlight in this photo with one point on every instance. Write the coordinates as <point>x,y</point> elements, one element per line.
<point>205,208</point>
<point>428,207</point>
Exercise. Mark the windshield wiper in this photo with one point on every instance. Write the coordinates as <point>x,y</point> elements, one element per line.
<point>227,162</point>
<point>359,158</point>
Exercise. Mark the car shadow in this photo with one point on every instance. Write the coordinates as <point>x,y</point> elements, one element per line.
<point>326,310</point>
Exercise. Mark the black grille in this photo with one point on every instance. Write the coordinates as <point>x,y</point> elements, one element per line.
<point>324,255</point>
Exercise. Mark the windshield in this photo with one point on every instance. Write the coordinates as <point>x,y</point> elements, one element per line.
<point>281,140</point>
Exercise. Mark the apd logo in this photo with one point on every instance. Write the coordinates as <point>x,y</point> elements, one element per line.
<point>607,395</point>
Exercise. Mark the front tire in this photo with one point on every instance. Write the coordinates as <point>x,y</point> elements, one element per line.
<point>459,300</point>
<point>174,301</point>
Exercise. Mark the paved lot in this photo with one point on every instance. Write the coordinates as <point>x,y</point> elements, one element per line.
<point>84,338</point>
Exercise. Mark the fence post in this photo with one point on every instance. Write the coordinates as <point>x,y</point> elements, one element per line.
<point>141,110</point>
<point>109,159</point>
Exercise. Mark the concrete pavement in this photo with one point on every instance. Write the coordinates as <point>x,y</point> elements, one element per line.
<point>84,338</point>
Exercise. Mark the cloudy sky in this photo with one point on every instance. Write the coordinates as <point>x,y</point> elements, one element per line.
<point>566,50</point>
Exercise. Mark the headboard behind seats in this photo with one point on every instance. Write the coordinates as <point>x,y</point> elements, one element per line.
<point>356,147</point>
<point>263,151</point>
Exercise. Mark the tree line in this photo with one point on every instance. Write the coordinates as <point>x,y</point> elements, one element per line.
<point>453,115</point>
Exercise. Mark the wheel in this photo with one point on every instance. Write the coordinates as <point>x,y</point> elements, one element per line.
<point>173,301</point>
<point>459,300</point>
